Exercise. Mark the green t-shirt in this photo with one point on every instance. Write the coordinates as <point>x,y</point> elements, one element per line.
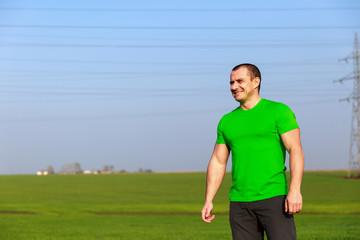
<point>258,154</point>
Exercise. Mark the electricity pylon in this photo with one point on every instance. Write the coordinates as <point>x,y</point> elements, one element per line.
<point>354,151</point>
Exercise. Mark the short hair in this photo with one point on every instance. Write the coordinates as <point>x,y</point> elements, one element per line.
<point>253,70</point>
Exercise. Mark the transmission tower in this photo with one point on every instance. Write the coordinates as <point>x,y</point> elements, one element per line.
<point>354,153</point>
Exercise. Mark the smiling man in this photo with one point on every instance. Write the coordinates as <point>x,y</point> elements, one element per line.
<point>257,133</point>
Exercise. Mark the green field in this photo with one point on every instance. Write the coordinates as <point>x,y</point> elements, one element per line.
<point>157,206</point>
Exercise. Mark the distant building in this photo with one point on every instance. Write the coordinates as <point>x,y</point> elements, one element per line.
<point>42,172</point>
<point>90,172</point>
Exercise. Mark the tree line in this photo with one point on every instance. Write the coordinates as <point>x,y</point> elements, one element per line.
<point>75,168</point>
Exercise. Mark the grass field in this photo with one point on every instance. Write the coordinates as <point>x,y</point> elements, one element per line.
<point>157,206</point>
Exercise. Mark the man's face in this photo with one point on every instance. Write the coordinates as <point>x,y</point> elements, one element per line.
<point>241,85</point>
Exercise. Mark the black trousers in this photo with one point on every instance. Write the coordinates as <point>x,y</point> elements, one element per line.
<point>249,220</point>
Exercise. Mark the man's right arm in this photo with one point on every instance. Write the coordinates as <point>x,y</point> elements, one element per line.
<point>215,175</point>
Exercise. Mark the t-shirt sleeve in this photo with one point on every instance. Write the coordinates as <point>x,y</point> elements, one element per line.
<point>220,134</point>
<point>285,119</point>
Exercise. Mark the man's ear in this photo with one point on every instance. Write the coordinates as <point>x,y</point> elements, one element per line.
<point>256,82</point>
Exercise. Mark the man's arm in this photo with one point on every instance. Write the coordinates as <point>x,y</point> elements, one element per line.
<point>215,175</point>
<point>292,143</point>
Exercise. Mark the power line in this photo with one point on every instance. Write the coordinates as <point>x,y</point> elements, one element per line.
<point>110,117</point>
<point>149,92</point>
<point>135,115</point>
<point>103,27</point>
<point>5,44</point>
<point>49,60</point>
<point>117,90</point>
<point>301,62</point>
<point>355,8</point>
<point>343,40</point>
<point>315,102</point>
<point>86,77</point>
<point>228,41</point>
<point>159,72</point>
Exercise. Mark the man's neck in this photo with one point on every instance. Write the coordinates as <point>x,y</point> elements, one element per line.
<point>250,103</point>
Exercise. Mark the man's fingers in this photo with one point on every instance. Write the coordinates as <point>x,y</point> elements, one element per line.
<point>203,215</point>
<point>293,202</point>
<point>292,205</point>
<point>299,207</point>
<point>209,219</point>
<point>206,216</point>
<point>292,208</point>
<point>206,213</point>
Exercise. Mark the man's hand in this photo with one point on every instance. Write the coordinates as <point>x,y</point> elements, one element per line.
<point>293,202</point>
<point>292,143</point>
<point>206,212</point>
<point>215,174</point>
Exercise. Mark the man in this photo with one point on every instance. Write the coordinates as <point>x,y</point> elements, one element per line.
<point>258,133</point>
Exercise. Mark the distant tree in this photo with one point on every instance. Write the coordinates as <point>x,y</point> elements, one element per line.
<point>50,170</point>
<point>72,168</point>
<point>66,169</point>
<point>77,168</point>
<point>107,169</point>
<point>146,170</point>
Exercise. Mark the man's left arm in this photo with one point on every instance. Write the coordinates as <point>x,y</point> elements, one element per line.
<point>292,143</point>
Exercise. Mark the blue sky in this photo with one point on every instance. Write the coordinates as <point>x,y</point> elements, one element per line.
<point>143,84</point>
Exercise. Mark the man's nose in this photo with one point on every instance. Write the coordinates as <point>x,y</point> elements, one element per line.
<point>233,86</point>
